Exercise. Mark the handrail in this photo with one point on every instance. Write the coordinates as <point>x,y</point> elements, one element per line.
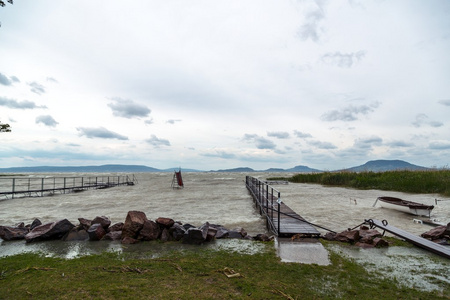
<point>39,186</point>
<point>264,196</point>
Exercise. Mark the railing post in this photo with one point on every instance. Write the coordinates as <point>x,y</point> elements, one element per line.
<point>279,208</point>
<point>64,185</point>
<point>42,187</point>
<point>14,186</point>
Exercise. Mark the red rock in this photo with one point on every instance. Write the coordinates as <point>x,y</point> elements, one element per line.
<point>364,245</point>
<point>85,223</point>
<point>133,224</point>
<point>8,233</point>
<point>165,222</point>
<point>113,236</point>
<point>379,242</point>
<point>347,236</point>
<point>49,231</point>
<point>435,233</point>
<point>104,221</point>
<point>116,227</point>
<point>127,240</point>
<point>96,232</point>
<point>150,231</point>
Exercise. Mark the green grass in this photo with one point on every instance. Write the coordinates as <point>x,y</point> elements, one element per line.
<point>194,275</point>
<point>424,182</point>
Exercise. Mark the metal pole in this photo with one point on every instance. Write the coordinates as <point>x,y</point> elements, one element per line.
<point>64,185</point>
<point>42,187</point>
<point>14,186</point>
<point>279,201</point>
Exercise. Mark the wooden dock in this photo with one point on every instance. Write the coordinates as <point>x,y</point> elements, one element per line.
<point>21,186</point>
<point>280,218</point>
<point>416,240</point>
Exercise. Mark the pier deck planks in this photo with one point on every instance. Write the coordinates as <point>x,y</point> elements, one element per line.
<point>291,223</point>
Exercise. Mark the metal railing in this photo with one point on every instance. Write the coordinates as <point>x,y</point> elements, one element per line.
<point>268,200</point>
<point>43,186</point>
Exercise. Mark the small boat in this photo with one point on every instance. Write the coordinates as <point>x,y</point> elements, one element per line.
<point>409,207</point>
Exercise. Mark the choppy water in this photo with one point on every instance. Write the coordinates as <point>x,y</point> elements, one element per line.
<point>219,198</point>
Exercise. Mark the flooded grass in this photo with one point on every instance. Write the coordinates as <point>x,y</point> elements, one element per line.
<point>138,273</point>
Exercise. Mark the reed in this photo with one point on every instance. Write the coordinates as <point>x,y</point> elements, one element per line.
<point>425,182</point>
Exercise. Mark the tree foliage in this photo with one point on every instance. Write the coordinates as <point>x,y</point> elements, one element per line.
<point>4,127</point>
<point>2,3</point>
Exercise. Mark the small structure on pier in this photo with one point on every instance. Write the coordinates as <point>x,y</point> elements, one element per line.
<point>177,180</point>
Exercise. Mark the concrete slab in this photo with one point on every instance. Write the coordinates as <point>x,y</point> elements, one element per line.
<point>305,251</point>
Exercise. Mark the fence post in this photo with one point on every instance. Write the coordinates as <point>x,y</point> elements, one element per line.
<point>13,186</point>
<point>42,187</point>
<point>279,208</point>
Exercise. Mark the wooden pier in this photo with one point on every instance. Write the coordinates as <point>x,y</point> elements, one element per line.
<point>416,240</point>
<point>280,218</point>
<point>21,186</point>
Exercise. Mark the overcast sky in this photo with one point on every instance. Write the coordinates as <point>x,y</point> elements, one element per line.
<point>225,84</point>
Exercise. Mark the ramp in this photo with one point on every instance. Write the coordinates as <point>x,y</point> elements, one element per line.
<point>414,239</point>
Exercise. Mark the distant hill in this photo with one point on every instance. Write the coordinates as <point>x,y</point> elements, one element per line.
<point>302,169</point>
<point>99,169</point>
<point>373,165</point>
<point>385,165</point>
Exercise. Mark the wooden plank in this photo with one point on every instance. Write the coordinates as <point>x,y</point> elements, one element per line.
<point>416,240</point>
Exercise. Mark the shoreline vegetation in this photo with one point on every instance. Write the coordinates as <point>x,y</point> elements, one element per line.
<point>419,182</point>
<point>200,274</point>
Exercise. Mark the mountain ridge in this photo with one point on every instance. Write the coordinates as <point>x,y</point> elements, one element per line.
<point>373,165</point>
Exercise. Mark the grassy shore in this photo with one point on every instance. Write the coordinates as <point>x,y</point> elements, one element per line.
<point>195,275</point>
<point>423,182</point>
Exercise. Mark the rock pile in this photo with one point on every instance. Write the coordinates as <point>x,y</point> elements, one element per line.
<point>364,237</point>
<point>440,234</point>
<point>136,228</point>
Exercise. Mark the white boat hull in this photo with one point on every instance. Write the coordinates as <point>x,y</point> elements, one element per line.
<point>406,209</point>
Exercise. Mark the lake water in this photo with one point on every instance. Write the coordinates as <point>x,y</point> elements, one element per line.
<point>219,198</point>
<point>222,198</point>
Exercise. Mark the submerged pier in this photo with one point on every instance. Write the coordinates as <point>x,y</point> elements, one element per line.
<point>281,220</point>
<point>15,187</point>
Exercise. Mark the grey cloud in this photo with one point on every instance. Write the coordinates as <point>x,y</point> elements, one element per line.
<point>278,134</point>
<point>172,121</point>
<point>128,109</point>
<point>343,60</point>
<point>322,145</point>
<point>349,113</point>
<point>51,79</point>
<point>157,142</point>
<point>422,119</point>
<point>260,142</point>
<point>302,134</point>
<point>37,88</point>
<point>400,144</point>
<point>367,143</point>
<point>12,103</point>
<point>440,145</point>
<point>100,132</point>
<point>46,120</point>
<point>149,121</point>
<point>311,28</point>
<point>445,102</point>
<point>5,80</point>
<point>220,154</point>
